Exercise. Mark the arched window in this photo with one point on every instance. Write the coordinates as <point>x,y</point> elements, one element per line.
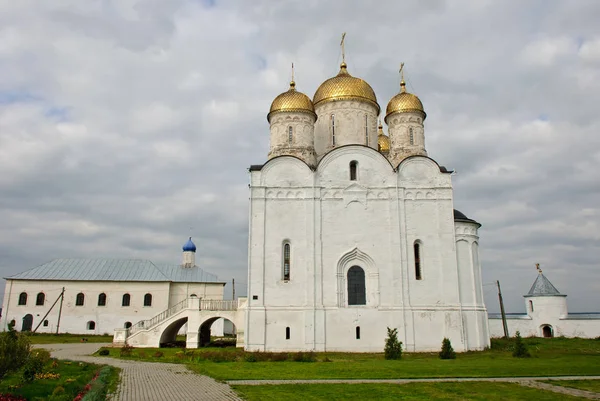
<point>127,325</point>
<point>79,300</point>
<point>126,300</point>
<point>358,332</point>
<point>193,296</point>
<point>148,300</point>
<point>39,300</point>
<point>102,299</point>
<point>46,323</point>
<point>91,325</point>
<point>366,130</point>
<point>531,305</point>
<point>290,134</point>
<point>356,286</point>
<point>287,333</point>
<point>333,129</point>
<point>353,170</point>
<point>412,137</point>
<point>417,248</point>
<point>287,253</point>
<point>23,298</point>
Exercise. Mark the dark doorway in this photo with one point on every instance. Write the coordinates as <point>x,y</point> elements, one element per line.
<point>547,331</point>
<point>27,322</point>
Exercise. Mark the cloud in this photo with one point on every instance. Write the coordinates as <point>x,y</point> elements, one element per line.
<point>127,126</point>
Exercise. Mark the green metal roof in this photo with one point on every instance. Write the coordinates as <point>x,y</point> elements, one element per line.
<point>114,270</point>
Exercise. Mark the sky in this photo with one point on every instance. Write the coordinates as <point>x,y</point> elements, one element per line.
<point>127,126</point>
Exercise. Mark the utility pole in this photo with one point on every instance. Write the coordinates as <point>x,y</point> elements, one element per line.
<point>62,297</point>
<point>233,285</point>
<point>504,325</point>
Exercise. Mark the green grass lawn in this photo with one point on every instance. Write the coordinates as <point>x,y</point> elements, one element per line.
<point>589,385</point>
<point>43,338</point>
<point>412,391</point>
<point>73,378</point>
<point>551,357</point>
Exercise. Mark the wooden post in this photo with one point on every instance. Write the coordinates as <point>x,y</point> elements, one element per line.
<point>62,297</point>
<point>504,325</point>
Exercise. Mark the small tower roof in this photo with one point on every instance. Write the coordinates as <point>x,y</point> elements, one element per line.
<point>189,246</point>
<point>542,287</point>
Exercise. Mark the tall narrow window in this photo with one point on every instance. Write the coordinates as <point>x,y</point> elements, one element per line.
<point>412,137</point>
<point>126,300</point>
<point>531,305</point>
<point>358,332</point>
<point>148,300</point>
<point>287,333</point>
<point>366,130</point>
<point>39,300</point>
<point>333,129</point>
<point>353,168</point>
<point>23,298</point>
<point>91,325</point>
<point>290,133</point>
<point>102,299</point>
<point>356,286</point>
<point>286,261</point>
<point>417,247</point>
<point>80,299</point>
<point>46,323</point>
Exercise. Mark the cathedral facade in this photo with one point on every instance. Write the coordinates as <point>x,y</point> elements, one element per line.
<point>353,231</point>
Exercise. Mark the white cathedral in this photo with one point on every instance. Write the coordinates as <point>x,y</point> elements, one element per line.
<point>353,231</point>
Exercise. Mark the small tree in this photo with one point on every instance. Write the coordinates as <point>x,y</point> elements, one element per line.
<point>14,350</point>
<point>393,347</point>
<point>447,351</point>
<point>521,350</point>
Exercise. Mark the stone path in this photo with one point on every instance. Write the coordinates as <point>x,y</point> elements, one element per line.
<point>149,381</point>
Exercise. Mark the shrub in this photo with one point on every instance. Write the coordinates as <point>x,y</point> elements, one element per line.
<point>58,390</point>
<point>250,357</point>
<point>447,351</point>
<point>33,366</point>
<point>279,356</point>
<point>103,352</point>
<point>393,347</point>
<point>126,350</point>
<point>304,357</point>
<point>326,359</point>
<point>141,355</point>
<point>14,350</point>
<point>158,354</point>
<point>521,350</point>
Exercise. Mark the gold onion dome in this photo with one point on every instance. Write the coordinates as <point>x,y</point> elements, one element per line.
<point>291,101</point>
<point>383,141</point>
<point>345,87</point>
<point>404,102</point>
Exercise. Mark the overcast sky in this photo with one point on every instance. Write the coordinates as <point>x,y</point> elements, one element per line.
<point>126,126</point>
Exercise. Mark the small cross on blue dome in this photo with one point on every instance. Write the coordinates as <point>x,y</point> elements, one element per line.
<point>189,246</point>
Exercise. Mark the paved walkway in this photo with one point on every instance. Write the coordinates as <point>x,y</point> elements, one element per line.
<point>149,381</point>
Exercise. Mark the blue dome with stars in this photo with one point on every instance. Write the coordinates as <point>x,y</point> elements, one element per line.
<point>189,246</point>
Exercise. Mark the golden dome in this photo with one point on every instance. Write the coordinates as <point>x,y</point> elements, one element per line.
<point>345,87</point>
<point>292,100</point>
<point>404,102</point>
<point>383,142</point>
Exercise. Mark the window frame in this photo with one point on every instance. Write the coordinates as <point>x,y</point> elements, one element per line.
<point>353,170</point>
<point>288,333</point>
<point>355,297</point>
<point>102,296</point>
<point>332,129</point>
<point>366,130</point>
<point>286,256</point>
<point>411,136</point>
<point>290,134</point>
<point>22,299</point>
<point>357,332</point>
<point>418,259</point>
<point>40,301</point>
<point>127,297</point>
<point>91,325</point>
<point>147,299</point>
<point>80,299</point>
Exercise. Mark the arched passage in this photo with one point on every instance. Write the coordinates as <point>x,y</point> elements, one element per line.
<point>27,322</point>
<point>547,331</point>
<point>204,332</point>
<point>169,335</point>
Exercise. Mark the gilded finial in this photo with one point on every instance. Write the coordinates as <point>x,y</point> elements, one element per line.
<point>292,82</point>
<point>402,83</point>
<point>537,266</point>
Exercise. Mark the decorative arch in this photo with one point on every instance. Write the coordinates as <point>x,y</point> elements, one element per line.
<point>356,257</point>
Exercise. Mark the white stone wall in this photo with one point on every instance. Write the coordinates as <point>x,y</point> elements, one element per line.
<point>399,129</point>
<point>302,145</point>
<point>332,224</point>
<point>349,125</point>
<point>107,318</point>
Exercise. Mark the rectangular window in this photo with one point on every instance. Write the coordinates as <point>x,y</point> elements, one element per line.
<point>366,130</point>
<point>333,129</point>
<point>290,132</point>
<point>287,333</point>
<point>358,332</point>
<point>417,261</point>
<point>286,262</point>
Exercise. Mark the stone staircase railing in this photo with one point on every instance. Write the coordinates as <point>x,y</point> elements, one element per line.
<point>204,304</point>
